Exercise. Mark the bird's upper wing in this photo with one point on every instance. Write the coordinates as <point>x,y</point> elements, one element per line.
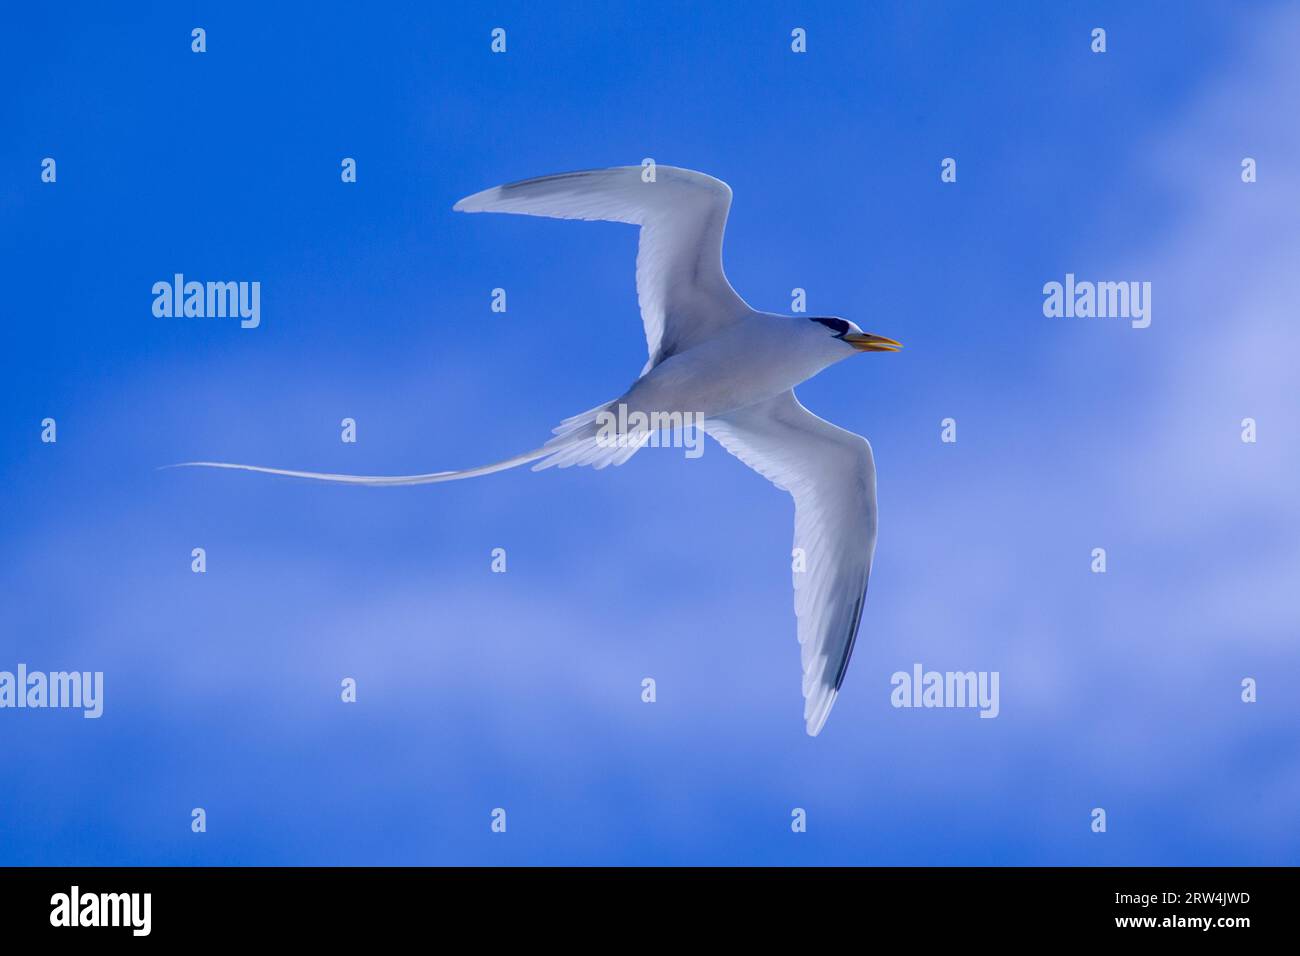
<point>685,297</point>
<point>831,475</point>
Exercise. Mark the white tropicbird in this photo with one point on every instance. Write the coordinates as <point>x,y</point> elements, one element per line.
<point>711,355</point>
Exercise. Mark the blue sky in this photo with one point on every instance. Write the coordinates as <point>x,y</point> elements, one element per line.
<point>522,691</point>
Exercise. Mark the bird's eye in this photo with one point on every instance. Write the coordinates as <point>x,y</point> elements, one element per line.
<point>838,326</point>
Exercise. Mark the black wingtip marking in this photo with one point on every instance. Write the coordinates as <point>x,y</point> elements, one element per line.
<point>555,177</point>
<point>853,639</point>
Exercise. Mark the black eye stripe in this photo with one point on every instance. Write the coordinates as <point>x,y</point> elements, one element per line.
<point>839,326</point>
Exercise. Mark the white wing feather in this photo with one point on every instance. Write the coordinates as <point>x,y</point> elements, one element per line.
<point>831,475</point>
<point>684,295</point>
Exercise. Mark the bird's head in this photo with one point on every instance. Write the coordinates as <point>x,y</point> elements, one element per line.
<point>854,337</point>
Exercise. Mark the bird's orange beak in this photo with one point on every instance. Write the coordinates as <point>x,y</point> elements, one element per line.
<point>866,342</point>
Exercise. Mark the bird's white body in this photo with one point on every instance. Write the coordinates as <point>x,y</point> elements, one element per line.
<point>711,355</point>
<point>756,357</point>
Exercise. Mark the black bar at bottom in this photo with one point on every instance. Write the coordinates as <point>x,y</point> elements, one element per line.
<point>330,904</point>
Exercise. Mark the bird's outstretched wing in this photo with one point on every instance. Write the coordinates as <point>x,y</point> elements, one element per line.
<point>685,297</point>
<point>831,475</point>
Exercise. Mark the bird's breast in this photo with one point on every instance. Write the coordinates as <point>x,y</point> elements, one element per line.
<point>731,371</point>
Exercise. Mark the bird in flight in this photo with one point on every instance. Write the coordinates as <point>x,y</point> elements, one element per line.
<point>730,366</point>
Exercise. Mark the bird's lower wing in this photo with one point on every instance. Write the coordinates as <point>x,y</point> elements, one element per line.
<point>831,475</point>
<point>684,296</point>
